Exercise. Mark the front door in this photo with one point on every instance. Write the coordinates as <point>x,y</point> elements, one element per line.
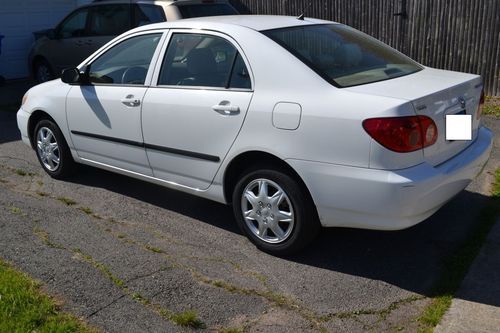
<point>192,117</point>
<point>105,117</point>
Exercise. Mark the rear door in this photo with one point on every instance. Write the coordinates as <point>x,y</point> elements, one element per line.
<point>192,116</point>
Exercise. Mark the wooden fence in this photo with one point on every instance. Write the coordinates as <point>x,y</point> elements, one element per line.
<point>460,35</point>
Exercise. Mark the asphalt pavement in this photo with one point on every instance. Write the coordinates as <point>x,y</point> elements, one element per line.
<point>126,256</point>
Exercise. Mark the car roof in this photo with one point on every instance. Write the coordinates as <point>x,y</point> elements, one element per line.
<point>254,22</point>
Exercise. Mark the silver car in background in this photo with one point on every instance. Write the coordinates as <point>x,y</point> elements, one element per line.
<point>88,28</point>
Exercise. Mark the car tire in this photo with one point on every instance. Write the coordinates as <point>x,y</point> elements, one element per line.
<point>52,150</point>
<point>259,215</point>
<point>43,72</point>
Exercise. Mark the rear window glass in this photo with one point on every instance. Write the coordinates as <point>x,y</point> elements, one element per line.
<point>342,55</point>
<point>200,10</point>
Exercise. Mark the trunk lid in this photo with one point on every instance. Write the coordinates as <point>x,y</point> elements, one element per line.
<point>435,93</point>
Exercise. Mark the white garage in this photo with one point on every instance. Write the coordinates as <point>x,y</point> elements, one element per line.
<point>18,20</point>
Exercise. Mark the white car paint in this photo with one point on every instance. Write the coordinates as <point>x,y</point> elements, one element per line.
<point>353,180</point>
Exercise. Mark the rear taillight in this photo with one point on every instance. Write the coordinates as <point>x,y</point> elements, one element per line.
<point>402,134</point>
<point>480,106</point>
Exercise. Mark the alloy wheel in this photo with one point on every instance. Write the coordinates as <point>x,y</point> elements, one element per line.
<point>267,211</point>
<point>48,149</point>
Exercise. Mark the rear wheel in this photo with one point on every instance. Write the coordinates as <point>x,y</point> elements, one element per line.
<point>274,211</point>
<point>52,150</point>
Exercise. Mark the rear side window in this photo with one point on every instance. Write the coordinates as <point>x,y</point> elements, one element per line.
<point>109,20</point>
<point>125,63</point>
<point>201,10</point>
<point>147,14</point>
<point>342,55</point>
<point>203,61</point>
<point>240,78</point>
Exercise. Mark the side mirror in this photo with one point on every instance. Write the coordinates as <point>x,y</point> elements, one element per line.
<point>74,77</point>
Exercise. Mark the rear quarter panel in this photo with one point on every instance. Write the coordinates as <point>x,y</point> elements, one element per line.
<point>330,129</point>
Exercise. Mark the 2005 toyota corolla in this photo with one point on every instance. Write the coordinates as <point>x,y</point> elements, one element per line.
<point>297,123</point>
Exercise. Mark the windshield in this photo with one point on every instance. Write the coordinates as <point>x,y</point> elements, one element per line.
<point>201,10</point>
<point>342,55</point>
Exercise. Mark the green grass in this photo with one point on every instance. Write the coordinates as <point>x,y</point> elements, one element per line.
<point>492,106</point>
<point>153,249</point>
<point>21,172</point>
<point>86,210</point>
<point>457,265</point>
<point>495,192</point>
<point>141,299</point>
<point>104,270</point>
<point>187,319</point>
<point>23,308</point>
<point>67,201</point>
<point>15,210</point>
<point>232,330</point>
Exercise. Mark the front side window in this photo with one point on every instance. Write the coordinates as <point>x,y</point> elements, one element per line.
<point>342,55</point>
<point>202,10</point>
<point>125,63</point>
<point>74,25</point>
<point>109,20</point>
<point>203,60</point>
<point>147,14</point>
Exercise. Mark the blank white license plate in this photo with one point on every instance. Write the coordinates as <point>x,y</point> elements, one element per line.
<point>459,127</point>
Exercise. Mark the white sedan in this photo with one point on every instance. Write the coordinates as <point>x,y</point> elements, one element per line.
<point>296,123</point>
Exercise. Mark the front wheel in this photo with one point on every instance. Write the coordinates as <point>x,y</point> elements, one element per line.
<point>52,150</point>
<point>274,211</point>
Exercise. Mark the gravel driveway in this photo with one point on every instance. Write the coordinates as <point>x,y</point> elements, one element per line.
<point>127,256</point>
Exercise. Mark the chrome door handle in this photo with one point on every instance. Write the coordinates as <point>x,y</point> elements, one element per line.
<point>225,108</point>
<point>130,101</point>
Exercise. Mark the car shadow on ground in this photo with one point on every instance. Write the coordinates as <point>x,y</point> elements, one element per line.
<point>410,259</point>
<point>8,127</point>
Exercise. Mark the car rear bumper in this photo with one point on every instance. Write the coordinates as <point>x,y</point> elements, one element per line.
<point>390,199</point>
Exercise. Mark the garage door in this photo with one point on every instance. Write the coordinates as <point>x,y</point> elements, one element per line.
<point>18,20</point>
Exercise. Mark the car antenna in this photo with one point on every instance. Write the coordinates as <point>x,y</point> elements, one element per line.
<point>303,15</point>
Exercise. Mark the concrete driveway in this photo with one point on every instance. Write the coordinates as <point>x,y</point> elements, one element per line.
<point>127,256</point>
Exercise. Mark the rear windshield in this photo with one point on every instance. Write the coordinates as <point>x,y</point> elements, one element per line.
<point>189,11</point>
<point>342,55</point>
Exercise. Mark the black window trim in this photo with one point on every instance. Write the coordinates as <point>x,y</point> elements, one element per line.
<point>315,69</point>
